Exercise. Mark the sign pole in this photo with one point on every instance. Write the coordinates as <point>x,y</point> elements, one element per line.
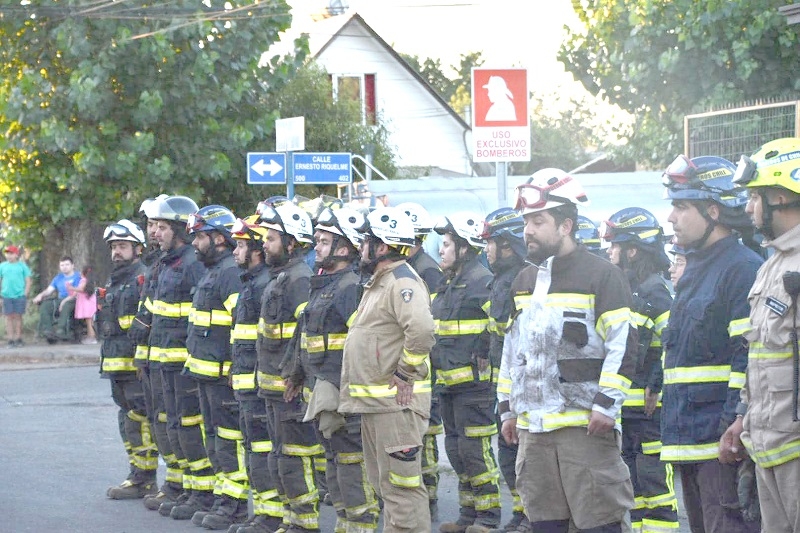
<point>290,175</point>
<point>501,171</point>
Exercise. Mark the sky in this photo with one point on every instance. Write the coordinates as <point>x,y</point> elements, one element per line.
<point>508,33</point>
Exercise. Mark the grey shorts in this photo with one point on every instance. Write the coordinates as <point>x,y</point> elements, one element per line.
<point>14,306</point>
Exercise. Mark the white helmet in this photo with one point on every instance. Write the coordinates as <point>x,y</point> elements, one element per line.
<point>549,188</point>
<point>423,224</point>
<point>289,219</point>
<point>147,202</point>
<point>344,221</point>
<point>124,230</point>
<point>391,226</point>
<point>464,224</point>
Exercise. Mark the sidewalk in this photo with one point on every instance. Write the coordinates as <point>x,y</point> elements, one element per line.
<point>38,353</point>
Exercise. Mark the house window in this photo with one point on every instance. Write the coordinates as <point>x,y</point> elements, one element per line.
<point>360,89</point>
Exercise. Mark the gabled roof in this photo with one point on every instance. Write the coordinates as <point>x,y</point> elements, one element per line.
<point>319,42</point>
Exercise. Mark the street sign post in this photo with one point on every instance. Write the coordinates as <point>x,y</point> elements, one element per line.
<point>321,168</point>
<point>266,168</point>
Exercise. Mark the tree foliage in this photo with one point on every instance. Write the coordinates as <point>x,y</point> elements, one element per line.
<point>663,59</point>
<point>102,107</point>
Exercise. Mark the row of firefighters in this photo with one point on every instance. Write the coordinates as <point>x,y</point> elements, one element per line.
<point>314,352</point>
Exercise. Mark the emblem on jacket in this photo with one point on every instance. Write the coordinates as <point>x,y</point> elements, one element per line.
<point>776,306</point>
<point>407,294</point>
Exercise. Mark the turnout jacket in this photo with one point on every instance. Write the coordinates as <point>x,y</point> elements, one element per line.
<point>139,332</point>
<point>210,321</point>
<point>770,435</point>
<point>392,333</point>
<point>501,305</point>
<point>650,313</point>
<point>117,304</point>
<point>178,274</point>
<point>520,296</point>
<point>245,331</point>
<point>572,350</point>
<point>331,307</point>
<point>705,354</point>
<point>460,313</point>
<point>285,296</point>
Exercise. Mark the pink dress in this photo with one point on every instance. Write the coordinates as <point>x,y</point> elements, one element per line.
<point>85,304</point>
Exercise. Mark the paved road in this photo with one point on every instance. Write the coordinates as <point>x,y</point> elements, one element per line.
<point>59,451</point>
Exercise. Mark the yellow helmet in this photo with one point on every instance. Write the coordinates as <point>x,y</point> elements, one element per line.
<point>248,228</point>
<point>776,164</point>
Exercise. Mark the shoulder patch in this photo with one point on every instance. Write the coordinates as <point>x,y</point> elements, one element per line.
<point>403,271</point>
<point>407,294</point>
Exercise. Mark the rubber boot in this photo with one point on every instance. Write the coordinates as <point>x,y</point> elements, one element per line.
<point>229,512</point>
<point>128,490</point>
<point>197,501</point>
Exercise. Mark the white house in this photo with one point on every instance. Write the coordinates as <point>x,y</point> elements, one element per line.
<point>425,132</point>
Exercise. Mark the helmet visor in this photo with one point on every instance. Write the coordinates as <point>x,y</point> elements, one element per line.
<point>241,228</point>
<point>745,172</point>
<point>443,225</point>
<point>119,231</point>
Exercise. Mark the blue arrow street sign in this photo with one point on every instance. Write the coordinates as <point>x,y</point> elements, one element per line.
<point>266,168</point>
<point>321,168</point>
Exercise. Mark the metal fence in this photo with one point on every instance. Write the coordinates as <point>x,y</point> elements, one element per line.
<point>732,132</point>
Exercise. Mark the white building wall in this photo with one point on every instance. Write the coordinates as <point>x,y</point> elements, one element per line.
<point>421,130</point>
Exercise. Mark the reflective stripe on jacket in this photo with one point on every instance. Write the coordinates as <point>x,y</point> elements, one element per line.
<point>115,312</point>
<point>245,330</point>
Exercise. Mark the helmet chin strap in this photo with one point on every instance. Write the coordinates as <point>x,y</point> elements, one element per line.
<point>711,224</point>
<point>767,210</point>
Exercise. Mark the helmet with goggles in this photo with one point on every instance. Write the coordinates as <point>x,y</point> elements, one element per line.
<point>420,218</point>
<point>248,229</point>
<point>703,178</point>
<point>465,225</point>
<point>288,219</point>
<point>344,221</point>
<point>211,218</point>
<point>775,164</point>
<point>633,225</point>
<point>549,188</point>
<point>124,230</point>
<point>506,223</point>
<point>391,226</point>
<point>148,202</point>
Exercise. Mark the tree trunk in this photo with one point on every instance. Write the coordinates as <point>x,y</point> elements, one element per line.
<point>83,241</point>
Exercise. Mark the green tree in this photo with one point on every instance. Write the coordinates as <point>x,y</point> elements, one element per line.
<point>104,104</point>
<point>663,59</point>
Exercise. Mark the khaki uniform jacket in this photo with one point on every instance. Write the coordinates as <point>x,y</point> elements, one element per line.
<point>769,434</point>
<point>392,333</point>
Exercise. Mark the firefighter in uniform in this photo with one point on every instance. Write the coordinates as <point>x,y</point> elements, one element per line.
<point>386,370</point>
<point>767,418</point>
<point>428,269</point>
<point>178,274</point>
<point>335,292</point>
<point>209,363</point>
<point>461,362</point>
<point>294,443</point>
<point>569,352</point>
<point>705,354</point>
<point>588,235</point>
<point>150,375</point>
<point>505,253</point>
<point>249,255</point>
<point>117,304</point>
<point>637,247</point>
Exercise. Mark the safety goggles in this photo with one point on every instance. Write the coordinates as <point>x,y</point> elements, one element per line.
<point>242,228</point>
<point>745,172</point>
<point>531,196</point>
<point>443,226</point>
<point>117,230</point>
<point>195,222</point>
<point>268,215</point>
<point>680,174</point>
<point>327,218</point>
